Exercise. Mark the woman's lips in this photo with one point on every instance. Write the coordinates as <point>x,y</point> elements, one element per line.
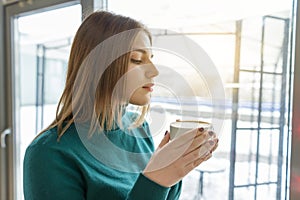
<point>148,87</point>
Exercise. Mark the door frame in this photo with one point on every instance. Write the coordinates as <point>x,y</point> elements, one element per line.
<point>10,10</point>
<point>3,123</point>
<point>295,147</point>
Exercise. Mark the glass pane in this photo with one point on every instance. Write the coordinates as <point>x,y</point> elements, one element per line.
<point>42,46</point>
<point>245,158</point>
<point>264,32</point>
<point>244,193</point>
<point>266,191</point>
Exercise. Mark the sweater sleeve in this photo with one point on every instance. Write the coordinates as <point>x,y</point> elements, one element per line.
<point>175,191</point>
<point>49,175</point>
<point>147,189</point>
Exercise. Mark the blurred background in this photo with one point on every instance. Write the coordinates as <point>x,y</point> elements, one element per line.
<point>251,44</point>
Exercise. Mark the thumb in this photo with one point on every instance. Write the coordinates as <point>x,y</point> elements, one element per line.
<point>165,139</point>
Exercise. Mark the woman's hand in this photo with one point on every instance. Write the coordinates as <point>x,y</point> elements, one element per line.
<point>175,159</point>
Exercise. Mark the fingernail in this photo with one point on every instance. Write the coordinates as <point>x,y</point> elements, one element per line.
<point>211,143</point>
<point>207,153</point>
<point>166,132</point>
<point>211,133</point>
<point>201,129</point>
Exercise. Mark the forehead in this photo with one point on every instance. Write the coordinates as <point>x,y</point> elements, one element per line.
<point>142,41</point>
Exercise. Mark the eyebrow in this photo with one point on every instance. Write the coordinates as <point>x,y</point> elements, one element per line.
<point>142,51</point>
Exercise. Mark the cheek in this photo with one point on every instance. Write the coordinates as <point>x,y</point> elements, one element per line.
<point>130,66</point>
<point>135,78</point>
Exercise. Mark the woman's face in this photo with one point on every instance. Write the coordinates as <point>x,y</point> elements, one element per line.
<point>141,71</point>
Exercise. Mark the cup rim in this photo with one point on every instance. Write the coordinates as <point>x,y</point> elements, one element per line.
<point>182,126</point>
<point>192,121</point>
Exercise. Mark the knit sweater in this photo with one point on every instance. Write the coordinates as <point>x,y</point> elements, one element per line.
<point>86,168</point>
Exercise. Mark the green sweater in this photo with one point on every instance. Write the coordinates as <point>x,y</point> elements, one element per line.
<point>77,168</point>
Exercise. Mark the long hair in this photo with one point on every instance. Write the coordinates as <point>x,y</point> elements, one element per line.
<point>86,98</point>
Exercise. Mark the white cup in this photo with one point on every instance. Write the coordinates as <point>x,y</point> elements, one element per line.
<point>179,127</point>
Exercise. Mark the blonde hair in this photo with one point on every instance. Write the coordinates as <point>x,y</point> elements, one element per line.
<point>86,99</point>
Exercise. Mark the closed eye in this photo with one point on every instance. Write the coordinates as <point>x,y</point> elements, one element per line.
<point>135,61</point>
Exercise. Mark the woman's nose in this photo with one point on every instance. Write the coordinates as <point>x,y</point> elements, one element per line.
<point>152,71</point>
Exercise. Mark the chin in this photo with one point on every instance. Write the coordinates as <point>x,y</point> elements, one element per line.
<point>140,99</point>
<point>140,102</point>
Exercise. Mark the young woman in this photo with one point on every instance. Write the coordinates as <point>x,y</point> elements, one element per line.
<point>95,149</point>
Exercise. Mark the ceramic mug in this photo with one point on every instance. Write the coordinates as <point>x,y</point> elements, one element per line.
<point>181,126</point>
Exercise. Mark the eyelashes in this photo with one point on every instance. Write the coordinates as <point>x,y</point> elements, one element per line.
<point>135,61</point>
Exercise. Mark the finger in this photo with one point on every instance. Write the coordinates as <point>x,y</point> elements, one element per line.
<point>216,145</point>
<point>188,137</point>
<point>200,152</point>
<point>200,140</point>
<point>208,157</point>
<point>185,138</point>
<point>189,167</point>
<point>165,140</point>
<point>206,148</point>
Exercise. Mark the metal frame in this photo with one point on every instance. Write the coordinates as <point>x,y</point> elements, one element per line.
<point>89,6</point>
<point>235,101</point>
<point>40,86</point>
<point>295,149</point>
<point>283,98</point>
<point>3,111</point>
<point>2,71</point>
<point>235,105</point>
<point>41,51</point>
